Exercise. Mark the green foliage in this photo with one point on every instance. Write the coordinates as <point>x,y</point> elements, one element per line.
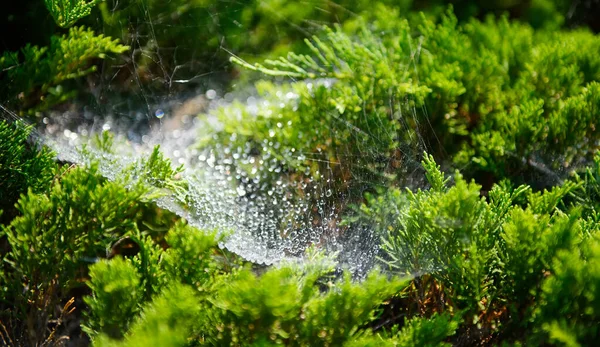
<point>200,29</point>
<point>569,311</point>
<point>438,219</point>
<point>67,12</point>
<point>218,307</point>
<point>487,260</point>
<point>427,332</point>
<point>520,140</point>
<point>338,315</point>
<point>166,321</point>
<point>528,250</point>
<point>148,264</point>
<point>547,13</point>
<point>434,175</point>
<point>116,296</point>
<point>38,74</point>
<point>479,90</point>
<point>505,91</point>
<point>352,123</point>
<point>156,171</point>
<point>282,306</point>
<point>153,172</point>
<point>588,196</point>
<point>255,29</point>
<point>267,308</point>
<point>37,78</point>
<point>22,166</point>
<point>78,207</point>
<point>56,235</point>
<point>249,29</point>
<point>482,259</point>
<point>418,331</point>
<point>59,231</point>
<point>511,142</point>
<point>190,257</point>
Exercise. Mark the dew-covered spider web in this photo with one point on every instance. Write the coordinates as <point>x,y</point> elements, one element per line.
<point>167,95</point>
<point>267,220</point>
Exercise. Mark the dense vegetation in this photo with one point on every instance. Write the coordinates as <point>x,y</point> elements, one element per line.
<point>502,246</point>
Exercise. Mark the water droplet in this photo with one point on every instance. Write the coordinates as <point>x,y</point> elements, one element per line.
<point>159,113</point>
<point>211,94</point>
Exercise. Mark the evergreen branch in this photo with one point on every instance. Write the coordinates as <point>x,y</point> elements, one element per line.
<point>67,12</point>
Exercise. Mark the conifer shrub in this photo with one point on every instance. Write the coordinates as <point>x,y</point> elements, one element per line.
<point>116,285</point>
<point>67,12</point>
<point>167,321</point>
<point>22,166</point>
<point>282,306</point>
<point>199,29</point>
<point>55,236</point>
<point>366,102</point>
<point>505,250</point>
<point>588,196</point>
<point>36,78</point>
<point>475,269</point>
<point>221,301</point>
<point>182,40</point>
<point>493,259</point>
<point>67,223</point>
<point>568,309</point>
<point>179,41</point>
<point>345,117</point>
<point>195,31</point>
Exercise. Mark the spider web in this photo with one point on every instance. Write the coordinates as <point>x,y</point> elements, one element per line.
<point>154,98</point>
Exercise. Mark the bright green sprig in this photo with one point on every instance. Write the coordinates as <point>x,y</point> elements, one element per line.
<point>46,69</point>
<point>67,12</point>
<point>22,166</point>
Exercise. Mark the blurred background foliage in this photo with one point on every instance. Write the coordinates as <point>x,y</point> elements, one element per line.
<point>178,45</point>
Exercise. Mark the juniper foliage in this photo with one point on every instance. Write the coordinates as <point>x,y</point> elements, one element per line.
<point>493,257</point>
<point>493,254</point>
<point>67,12</point>
<point>368,103</point>
<point>36,75</point>
<point>22,166</point>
